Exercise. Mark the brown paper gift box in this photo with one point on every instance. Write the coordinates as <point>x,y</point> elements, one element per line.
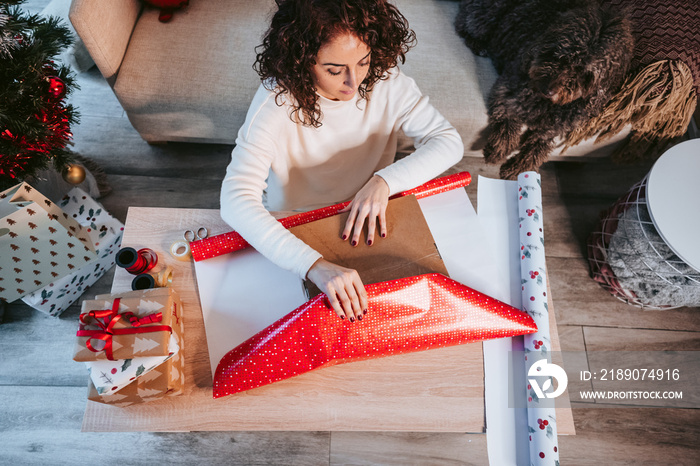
<point>168,379</point>
<point>112,376</point>
<point>142,303</point>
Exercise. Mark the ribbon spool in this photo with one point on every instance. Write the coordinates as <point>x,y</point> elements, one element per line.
<point>143,281</point>
<point>146,281</point>
<point>136,262</point>
<point>164,278</point>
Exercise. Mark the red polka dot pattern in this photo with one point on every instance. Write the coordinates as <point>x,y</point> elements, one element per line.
<point>406,315</point>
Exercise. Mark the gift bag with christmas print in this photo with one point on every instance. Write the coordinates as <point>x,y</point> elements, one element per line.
<point>105,232</point>
<point>39,242</point>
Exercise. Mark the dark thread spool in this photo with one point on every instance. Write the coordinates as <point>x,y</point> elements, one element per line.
<point>143,281</point>
<point>136,262</point>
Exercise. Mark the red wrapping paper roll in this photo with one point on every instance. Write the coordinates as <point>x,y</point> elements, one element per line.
<point>406,315</point>
<point>229,242</point>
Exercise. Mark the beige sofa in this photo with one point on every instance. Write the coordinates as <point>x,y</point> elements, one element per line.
<point>191,79</point>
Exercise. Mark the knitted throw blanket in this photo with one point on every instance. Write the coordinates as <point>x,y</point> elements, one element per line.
<point>660,94</point>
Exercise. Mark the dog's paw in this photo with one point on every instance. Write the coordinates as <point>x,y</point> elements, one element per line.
<point>513,167</point>
<point>494,154</point>
<point>502,140</point>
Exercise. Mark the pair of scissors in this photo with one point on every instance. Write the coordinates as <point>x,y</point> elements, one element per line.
<point>192,235</point>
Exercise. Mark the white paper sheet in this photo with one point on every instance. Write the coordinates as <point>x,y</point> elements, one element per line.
<point>498,214</point>
<point>455,227</point>
<point>236,300</point>
<point>242,293</point>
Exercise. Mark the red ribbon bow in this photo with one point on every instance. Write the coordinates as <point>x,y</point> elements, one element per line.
<point>108,318</point>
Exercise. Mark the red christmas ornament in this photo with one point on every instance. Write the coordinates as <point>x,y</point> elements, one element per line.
<point>57,88</point>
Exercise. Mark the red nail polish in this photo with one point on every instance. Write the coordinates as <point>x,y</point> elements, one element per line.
<point>345,237</point>
<point>342,317</point>
<point>352,319</point>
<point>359,317</point>
<point>354,243</point>
<point>365,311</point>
<point>383,235</point>
<point>369,242</point>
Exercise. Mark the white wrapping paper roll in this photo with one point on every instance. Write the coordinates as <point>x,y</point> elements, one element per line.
<point>542,423</point>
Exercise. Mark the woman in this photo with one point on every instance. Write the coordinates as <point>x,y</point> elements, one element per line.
<point>322,129</point>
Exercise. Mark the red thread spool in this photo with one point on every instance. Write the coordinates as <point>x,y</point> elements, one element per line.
<point>136,262</point>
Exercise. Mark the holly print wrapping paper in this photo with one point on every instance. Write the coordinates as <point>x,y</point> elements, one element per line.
<point>128,325</point>
<point>111,376</point>
<point>542,423</point>
<point>168,379</point>
<point>39,242</point>
<point>105,232</point>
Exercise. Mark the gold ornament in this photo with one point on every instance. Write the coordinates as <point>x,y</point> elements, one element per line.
<point>74,173</point>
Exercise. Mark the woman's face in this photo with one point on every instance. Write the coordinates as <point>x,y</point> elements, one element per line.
<point>341,65</point>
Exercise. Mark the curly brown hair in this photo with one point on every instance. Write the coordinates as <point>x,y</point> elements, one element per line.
<point>300,27</point>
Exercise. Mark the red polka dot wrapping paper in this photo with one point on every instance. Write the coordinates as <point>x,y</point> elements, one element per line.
<point>229,242</point>
<point>405,315</point>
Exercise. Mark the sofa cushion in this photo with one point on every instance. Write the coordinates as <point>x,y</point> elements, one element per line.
<point>214,46</point>
<point>105,28</point>
<point>192,78</point>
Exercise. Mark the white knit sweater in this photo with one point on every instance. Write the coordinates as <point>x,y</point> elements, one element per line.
<point>283,165</point>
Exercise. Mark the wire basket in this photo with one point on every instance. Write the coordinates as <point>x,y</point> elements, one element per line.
<point>629,258</point>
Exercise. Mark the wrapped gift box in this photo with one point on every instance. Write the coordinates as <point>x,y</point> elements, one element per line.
<point>131,324</point>
<point>105,232</point>
<point>111,376</point>
<point>39,242</point>
<point>168,379</point>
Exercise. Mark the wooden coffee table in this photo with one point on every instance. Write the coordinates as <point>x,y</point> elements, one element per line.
<point>440,390</point>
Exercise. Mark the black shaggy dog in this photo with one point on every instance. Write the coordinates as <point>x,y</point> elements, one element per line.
<point>559,61</point>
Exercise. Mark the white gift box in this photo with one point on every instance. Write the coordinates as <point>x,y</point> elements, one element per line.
<point>105,232</point>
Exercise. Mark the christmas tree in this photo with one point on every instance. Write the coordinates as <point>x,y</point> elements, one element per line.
<point>35,119</point>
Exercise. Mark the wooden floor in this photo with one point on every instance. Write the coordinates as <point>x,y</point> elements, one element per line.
<point>42,391</point>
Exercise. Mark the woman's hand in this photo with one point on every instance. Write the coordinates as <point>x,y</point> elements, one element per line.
<point>369,204</point>
<point>343,287</point>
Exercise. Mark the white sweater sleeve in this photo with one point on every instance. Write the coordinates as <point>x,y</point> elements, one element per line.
<point>241,201</point>
<point>438,144</point>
